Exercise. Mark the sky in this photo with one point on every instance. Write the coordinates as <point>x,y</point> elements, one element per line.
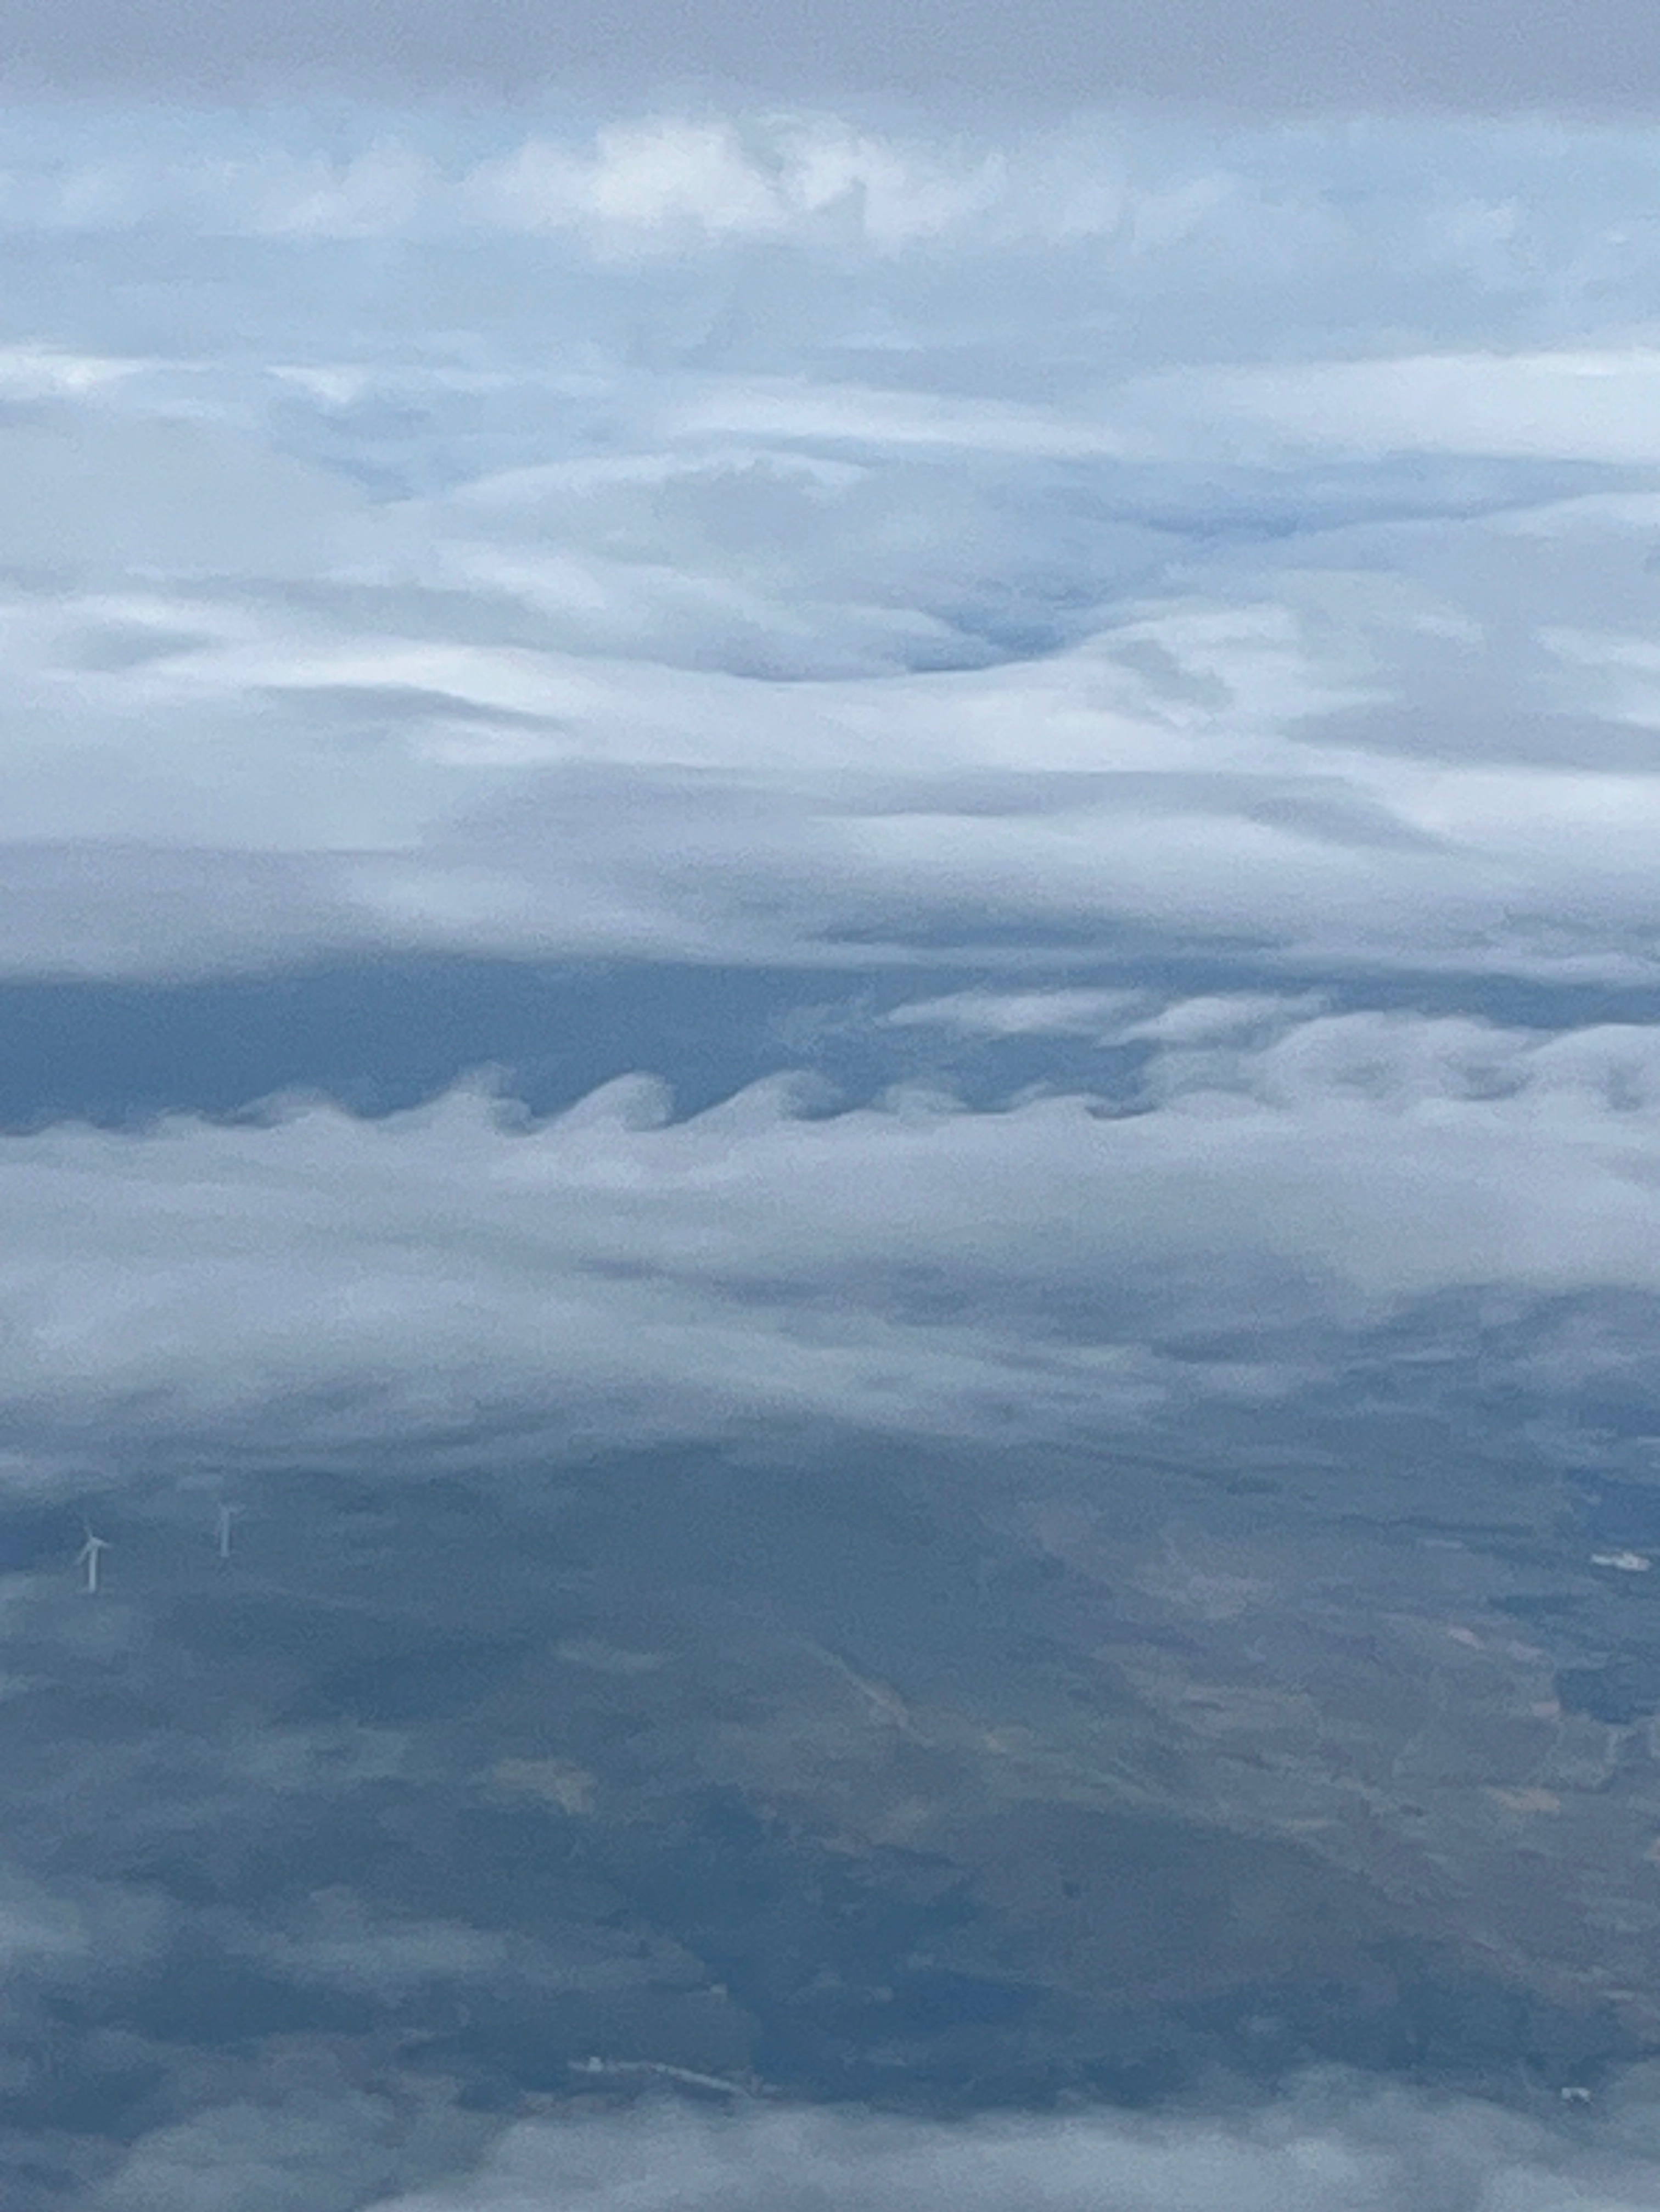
<point>941,728</point>
<point>1590,56</point>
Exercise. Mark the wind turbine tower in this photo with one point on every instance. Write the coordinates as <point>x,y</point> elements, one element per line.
<point>86,1559</point>
<point>227,1520</point>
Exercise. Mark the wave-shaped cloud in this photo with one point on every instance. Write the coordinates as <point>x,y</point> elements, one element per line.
<point>1284,1191</point>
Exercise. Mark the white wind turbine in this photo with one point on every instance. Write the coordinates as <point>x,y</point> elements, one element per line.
<point>227,1519</point>
<point>88,1557</point>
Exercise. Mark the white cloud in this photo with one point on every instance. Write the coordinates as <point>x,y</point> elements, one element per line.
<point>608,1274</point>
<point>1099,1014</point>
<point>334,1940</point>
<point>665,179</point>
<point>1342,2150</point>
<point>447,790</point>
<point>379,191</point>
<point>1234,1017</point>
<point>310,2139</point>
<point>1565,404</point>
<point>651,185</point>
<point>899,420</point>
<point>41,372</point>
<point>1109,1016</point>
<point>1106,530</point>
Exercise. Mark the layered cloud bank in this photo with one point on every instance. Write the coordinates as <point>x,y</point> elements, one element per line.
<point>1280,1193</point>
<point>1336,2151</point>
<point>745,537</point>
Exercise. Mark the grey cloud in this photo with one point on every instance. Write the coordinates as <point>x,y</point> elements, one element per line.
<point>1455,729</point>
<point>126,908</point>
<point>72,1934</point>
<point>1294,54</point>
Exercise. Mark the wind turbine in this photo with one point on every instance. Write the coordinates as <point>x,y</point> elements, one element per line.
<point>227,1517</point>
<point>88,1557</point>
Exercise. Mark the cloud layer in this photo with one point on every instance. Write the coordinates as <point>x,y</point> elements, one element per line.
<point>1335,2152</point>
<point>749,535</point>
<point>1282,1191</point>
